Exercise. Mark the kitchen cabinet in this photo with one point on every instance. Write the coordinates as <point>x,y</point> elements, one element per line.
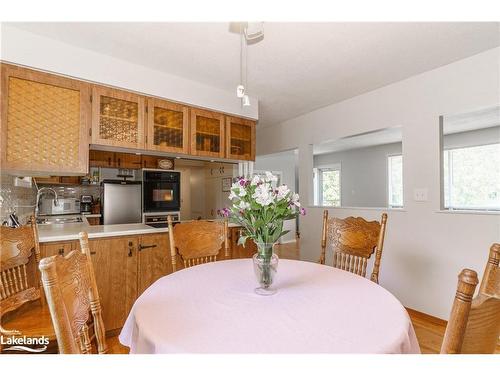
<point>114,260</point>
<point>117,118</point>
<point>167,127</point>
<point>58,180</point>
<point>240,138</point>
<point>124,267</point>
<point>105,159</point>
<point>108,159</point>
<point>127,161</point>
<point>154,260</point>
<point>148,161</point>
<point>207,133</point>
<point>44,123</point>
<point>56,248</point>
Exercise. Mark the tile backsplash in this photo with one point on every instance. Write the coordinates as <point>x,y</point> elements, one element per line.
<point>21,200</point>
<point>14,199</point>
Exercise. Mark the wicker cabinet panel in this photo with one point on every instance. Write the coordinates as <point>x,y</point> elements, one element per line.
<point>207,133</point>
<point>240,138</point>
<point>168,127</point>
<point>117,118</point>
<point>44,122</point>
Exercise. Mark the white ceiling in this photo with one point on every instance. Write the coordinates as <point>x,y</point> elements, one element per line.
<point>298,67</point>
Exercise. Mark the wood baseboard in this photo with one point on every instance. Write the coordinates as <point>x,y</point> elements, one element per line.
<point>430,318</point>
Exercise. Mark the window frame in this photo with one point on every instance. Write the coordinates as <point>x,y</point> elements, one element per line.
<point>450,179</point>
<point>388,157</point>
<point>318,183</point>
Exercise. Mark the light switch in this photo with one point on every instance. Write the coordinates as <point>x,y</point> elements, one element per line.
<point>420,194</point>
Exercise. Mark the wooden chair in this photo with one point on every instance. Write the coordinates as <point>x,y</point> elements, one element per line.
<point>353,241</point>
<point>19,277</point>
<point>474,324</point>
<point>197,241</point>
<point>73,300</point>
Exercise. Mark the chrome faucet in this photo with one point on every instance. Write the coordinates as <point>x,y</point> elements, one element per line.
<point>40,193</point>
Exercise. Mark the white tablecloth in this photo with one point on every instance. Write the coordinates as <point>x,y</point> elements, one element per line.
<point>212,308</point>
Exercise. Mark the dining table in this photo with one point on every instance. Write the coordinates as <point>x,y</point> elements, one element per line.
<point>212,308</point>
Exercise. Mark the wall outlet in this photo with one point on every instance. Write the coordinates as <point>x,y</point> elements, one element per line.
<point>420,194</point>
<point>24,182</point>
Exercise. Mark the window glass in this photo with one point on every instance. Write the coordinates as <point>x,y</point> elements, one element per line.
<point>471,160</point>
<point>395,175</point>
<point>472,177</point>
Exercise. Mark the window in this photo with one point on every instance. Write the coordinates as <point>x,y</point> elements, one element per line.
<point>327,186</point>
<point>395,183</point>
<point>472,177</point>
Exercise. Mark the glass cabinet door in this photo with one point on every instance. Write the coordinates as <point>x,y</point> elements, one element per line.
<point>207,133</point>
<point>117,118</point>
<point>168,127</point>
<point>240,138</point>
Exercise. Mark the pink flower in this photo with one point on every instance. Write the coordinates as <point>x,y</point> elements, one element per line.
<point>224,212</point>
<point>302,211</point>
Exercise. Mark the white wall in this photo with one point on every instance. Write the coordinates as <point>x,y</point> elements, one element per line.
<point>363,175</point>
<point>283,162</point>
<point>36,51</point>
<point>425,249</point>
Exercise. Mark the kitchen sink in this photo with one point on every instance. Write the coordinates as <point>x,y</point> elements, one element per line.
<point>58,219</point>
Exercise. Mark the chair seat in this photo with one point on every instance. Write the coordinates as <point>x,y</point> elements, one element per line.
<point>32,320</point>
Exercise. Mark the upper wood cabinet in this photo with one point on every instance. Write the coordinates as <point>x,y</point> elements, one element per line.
<point>240,138</point>
<point>117,118</point>
<point>168,127</point>
<point>44,122</point>
<point>207,133</point>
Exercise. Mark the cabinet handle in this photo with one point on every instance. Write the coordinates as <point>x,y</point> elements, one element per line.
<point>61,251</point>
<point>119,161</point>
<point>130,247</point>
<point>92,253</point>
<point>142,247</point>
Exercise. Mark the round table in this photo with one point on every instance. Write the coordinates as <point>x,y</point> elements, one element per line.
<point>212,308</point>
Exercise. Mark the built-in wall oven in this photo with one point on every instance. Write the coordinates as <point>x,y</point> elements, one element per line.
<point>161,191</point>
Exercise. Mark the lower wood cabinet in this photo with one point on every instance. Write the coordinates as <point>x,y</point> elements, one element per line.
<point>124,267</point>
<point>154,260</point>
<point>115,266</point>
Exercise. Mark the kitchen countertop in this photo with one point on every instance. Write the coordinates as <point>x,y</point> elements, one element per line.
<point>69,232</point>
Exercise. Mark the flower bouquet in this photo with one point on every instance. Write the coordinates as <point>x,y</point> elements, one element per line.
<point>260,208</point>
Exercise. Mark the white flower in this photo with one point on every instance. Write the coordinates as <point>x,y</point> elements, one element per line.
<point>282,192</point>
<point>232,195</point>
<point>263,195</point>
<point>255,180</point>
<point>295,199</point>
<point>244,205</point>
<point>242,193</point>
<point>270,177</point>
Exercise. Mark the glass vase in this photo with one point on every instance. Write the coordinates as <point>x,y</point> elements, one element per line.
<point>265,266</point>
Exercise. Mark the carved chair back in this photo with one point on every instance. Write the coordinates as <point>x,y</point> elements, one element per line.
<point>73,300</point>
<point>19,277</point>
<point>474,324</point>
<point>197,241</point>
<point>353,240</point>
